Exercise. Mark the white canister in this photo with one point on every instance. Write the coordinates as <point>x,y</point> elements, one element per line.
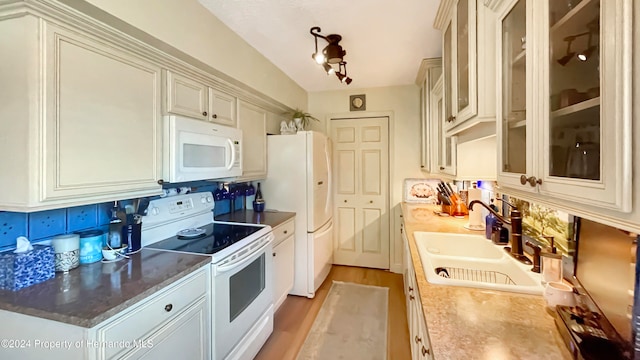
<point>67,251</point>
<point>557,293</point>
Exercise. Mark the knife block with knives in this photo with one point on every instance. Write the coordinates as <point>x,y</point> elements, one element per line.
<point>451,201</point>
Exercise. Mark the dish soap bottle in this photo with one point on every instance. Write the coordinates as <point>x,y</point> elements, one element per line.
<point>115,228</point>
<point>490,221</point>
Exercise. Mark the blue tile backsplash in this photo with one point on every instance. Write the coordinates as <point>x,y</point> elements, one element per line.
<point>12,225</point>
<point>82,217</point>
<point>43,225</point>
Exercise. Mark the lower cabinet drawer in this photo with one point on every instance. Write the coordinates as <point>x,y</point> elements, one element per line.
<point>283,231</point>
<point>136,323</point>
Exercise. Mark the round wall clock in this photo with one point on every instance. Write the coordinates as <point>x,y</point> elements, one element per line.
<point>357,102</point>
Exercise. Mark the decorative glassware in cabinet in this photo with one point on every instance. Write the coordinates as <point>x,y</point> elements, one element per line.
<point>574,88</point>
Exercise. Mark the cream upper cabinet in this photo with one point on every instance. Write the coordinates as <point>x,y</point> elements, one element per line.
<point>252,120</point>
<point>568,142</point>
<point>185,96</point>
<point>222,108</point>
<point>468,63</point>
<point>81,121</point>
<point>429,73</point>
<point>444,145</point>
<point>193,98</point>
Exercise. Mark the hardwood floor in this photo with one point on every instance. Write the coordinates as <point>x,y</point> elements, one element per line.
<point>293,320</point>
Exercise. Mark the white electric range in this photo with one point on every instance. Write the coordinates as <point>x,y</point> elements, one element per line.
<point>241,268</point>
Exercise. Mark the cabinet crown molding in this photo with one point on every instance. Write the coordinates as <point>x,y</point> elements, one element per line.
<point>445,10</point>
<point>425,66</point>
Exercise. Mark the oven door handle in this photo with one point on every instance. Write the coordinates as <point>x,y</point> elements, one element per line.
<point>248,258</point>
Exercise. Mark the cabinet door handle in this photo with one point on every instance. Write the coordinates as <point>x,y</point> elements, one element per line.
<point>284,232</point>
<point>160,182</point>
<point>411,297</point>
<point>345,201</point>
<point>425,351</point>
<point>410,288</point>
<point>204,113</point>
<point>274,254</point>
<point>370,201</point>
<point>168,307</point>
<point>532,180</point>
<point>441,167</point>
<point>417,339</point>
<point>215,116</point>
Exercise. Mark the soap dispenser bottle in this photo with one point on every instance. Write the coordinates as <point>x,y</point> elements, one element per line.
<point>490,221</point>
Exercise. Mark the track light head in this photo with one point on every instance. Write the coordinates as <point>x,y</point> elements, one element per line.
<point>328,69</point>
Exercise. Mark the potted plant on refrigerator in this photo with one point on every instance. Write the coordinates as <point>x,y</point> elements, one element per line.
<point>301,119</point>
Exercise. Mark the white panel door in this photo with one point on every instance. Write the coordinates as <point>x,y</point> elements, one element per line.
<point>361,168</point>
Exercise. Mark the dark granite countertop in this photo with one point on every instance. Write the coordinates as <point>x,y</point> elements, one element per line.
<point>272,218</point>
<point>92,293</point>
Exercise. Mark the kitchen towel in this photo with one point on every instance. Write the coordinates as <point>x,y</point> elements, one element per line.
<point>352,324</point>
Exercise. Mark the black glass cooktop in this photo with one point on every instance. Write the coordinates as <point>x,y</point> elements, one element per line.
<point>216,237</point>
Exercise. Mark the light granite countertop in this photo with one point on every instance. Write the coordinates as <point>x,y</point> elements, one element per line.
<point>468,323</point>
<point>92,293</point>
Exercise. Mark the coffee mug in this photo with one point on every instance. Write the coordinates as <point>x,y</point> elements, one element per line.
<point>556,293</point>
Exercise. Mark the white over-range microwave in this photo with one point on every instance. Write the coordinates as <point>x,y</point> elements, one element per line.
<point>199,150</point>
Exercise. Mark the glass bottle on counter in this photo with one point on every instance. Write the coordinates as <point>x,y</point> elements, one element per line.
<point>259,194</point>
<point>115,228</point>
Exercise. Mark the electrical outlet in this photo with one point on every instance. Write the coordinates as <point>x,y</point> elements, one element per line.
<point>45,224</point>
<point>82,217</point>
<point>12,225</point>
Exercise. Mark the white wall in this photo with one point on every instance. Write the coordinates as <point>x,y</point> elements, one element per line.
<point>191,28</point>
<point>403,103</point>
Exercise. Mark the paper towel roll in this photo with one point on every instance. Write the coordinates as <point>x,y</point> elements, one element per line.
<point>475,215</point>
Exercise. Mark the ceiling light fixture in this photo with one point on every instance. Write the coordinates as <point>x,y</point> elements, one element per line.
<point>333,54</point>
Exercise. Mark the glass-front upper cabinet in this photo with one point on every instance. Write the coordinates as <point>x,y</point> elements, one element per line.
<point>574,90</point>
<point>587,118</point>
<point>512,46</point>
<point>459,42</point>
<point>448,76</point>
<point>565,101</point>
<point>462,54</point>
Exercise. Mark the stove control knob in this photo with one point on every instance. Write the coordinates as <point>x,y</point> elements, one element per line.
<point>155,211</point>
<point>209,199</point>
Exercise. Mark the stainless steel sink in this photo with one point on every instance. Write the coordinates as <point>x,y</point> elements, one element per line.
<point>473,261</point>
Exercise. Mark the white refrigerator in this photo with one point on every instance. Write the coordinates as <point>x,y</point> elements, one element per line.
<point>299,180</point>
